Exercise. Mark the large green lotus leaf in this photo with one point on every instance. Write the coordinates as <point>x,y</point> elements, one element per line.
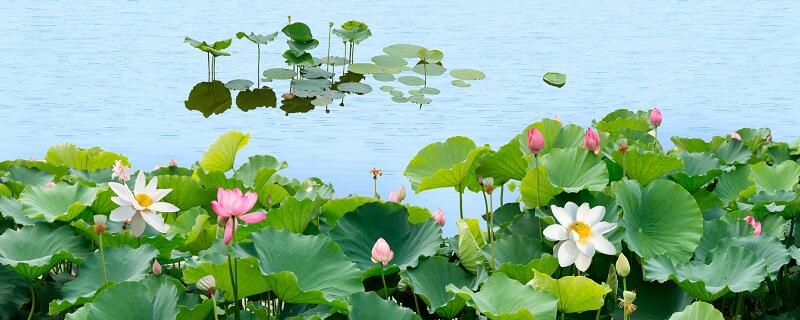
<point>186,192</point>
<point>148,300</point>
<point>783,176</point>
<point>734,269</point>
<point>29,176</point>
<point>369,306</point>
<point>700,169</point>
<point>574,294</point>
<point>698,311</point>
<point>517,249</point>
<point>691,144</point>
<point>250,280</point>
<point>257,38</point>
<point>298,31</point>
<point>503,298</point>
<point>12,208</point>
<point>61,202</point>
<point>467,74</point>
<point>364,68</point>
<point>209,98</point>
<point>197,229</point>
<point>429,279</point>
<point>14,293</point>
<point>795,253</point>
<point>444,164</point>
<point>624,119</point>
<point>575,169</point>
<point>221,155</point>
<point>732,183</point>
<point>293,215</point>
<point>198,311</point>
<point>247,172</point>
<point>122,264</point>
<point>524,273</point>
<point>358,230</point>
<point>82,159</point>
<point>646,166</point>
<point>765,247</point>
<point>56,170</point>
<point>536,189</point>
<point>336,208</point>
<point>661,218</point>
<point>733,151</point>
<point>556,136</point>
<point>505,164</point>
<point>299,48</point>
<point>93,178</point>
<point>469,246</point>
<point>305,269</point>
<point>389,61</point>
<point>32,250</point>
<point>403,50</point>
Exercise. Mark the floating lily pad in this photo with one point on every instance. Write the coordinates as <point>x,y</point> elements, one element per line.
<point>364,68</point>
<point>279,73</point>
<point>311,84</point>
<point>429,69</point>
<point>316,73</point>
<point>239,84</point>
<point>389,61</point>
<point>387,88</point>
<point>461,83</point>
<point>467,74</point>
<point>403,50</point>
<point>322,101</point>
<point>555,79</point>
<point>332,60</point>
<point>429,90</point>
<point>354,87</point>
<point>399,99</point>
<point>419,99</point>
<point>383,77</point>
<point>411,80</point>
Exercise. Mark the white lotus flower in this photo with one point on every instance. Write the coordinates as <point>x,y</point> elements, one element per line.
<point>142,205</point>
<point>579,233</point>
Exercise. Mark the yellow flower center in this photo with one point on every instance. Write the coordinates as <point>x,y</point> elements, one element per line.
<point>143,200</point>
<point>583,230</point>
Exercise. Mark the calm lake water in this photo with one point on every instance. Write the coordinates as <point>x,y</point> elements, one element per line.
<point>116,74</point>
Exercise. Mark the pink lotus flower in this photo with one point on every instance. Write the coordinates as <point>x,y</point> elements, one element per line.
<point>535,141</point>
<point>156,267</point>
<point>50,184</point>
<point>231,205</point>
<point>401,194</point>
<point>120,171</point>
<point>173,163</point>
<point>591,141</point>
<point>756,225</point>
<point>439,216</point>
<point>769,138</point>
<point>656,117</point>
<point>735,136</point>
<point>381,252</point>
<point>394,197</point>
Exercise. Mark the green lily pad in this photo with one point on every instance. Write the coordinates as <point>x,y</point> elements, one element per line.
<point>429,280</point>
<point>536,189</point>
<point>444,164</point>
<point>279,73</point>
<point>368,305</point>
<point>239,84</point>
<point>698,311</point>
<point>501,297</point>
<point>429,69</point>
<point>60,202</point>
<point>575,169</point>
<point>467,74</point>
<point>385,77</point>
<point>155,300</point>
<point>336,208</point>
<point>91,159</point>
<point>389,61</point>
<point>783,176</point>
<point>354,87</point>
<point>251,281</point>
<point>221,155</point>
<point>403,50</point>
<point>315,85</point>
<point>33,250</point>
<point>646,166</point>
<point>460,83</point>
<point>555,79</point>
<point>419,99</point>
<point>364,68</point>
<point>411,80</point>
<point>13,293</point>
<point>574,294</point>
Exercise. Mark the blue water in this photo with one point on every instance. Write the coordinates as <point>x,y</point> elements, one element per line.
<point>115,74</point>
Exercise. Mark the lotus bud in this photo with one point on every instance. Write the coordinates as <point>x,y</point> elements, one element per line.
<point>33,159</point>
<point>629,296</point>
<point>287,96</point>
<point>623,147</point>
<point>735,136</point>
<point>393,197</point>
<point>591,141</point>
<point>655,117</point>
<point>156,267</point>
<point>755,224</point>
<point>623,266</point>
<point>401,194</point>
<point>100,223</point>
<point>381,252</point>
<point>769,138</point>
<point>330,24</point>
<point>488,185</point>
<point>290,19</point>
<point>535,141</point>
<point>207,284</point>
<point>173,163</point>
<point>50,184</point>
<point>439,216</point>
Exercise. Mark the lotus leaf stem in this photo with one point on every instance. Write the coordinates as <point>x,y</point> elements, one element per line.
<point>383,279</point>
<point>103,259</point>
<point>33,302</point>
<point>231,261</point>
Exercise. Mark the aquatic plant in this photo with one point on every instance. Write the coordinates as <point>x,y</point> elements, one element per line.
<point>212,51</point>
<point>704,230</point>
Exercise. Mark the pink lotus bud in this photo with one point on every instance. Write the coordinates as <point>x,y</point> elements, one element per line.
<point>535,141</point>
<point>173,163</point>
<point>207,284</point>
<point>488,184</point>
<point>439,216</point>
<point>156,267</point>
<point>393,197</point>
<point>591,141</point>
<point>50,184</point>
<point>769,138</point>
<point>756,225</point>
<point>656,117</point>
<point>401,194</point>
<point>381,252</point>
<point>735,136</point>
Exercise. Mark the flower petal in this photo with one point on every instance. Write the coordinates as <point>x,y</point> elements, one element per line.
<point>555,232</point>
<point>249,200</point>
<point>163,207</point>
<point>583,213</point>
<point>137,225</point>
<point>122,191</point>
<point>151,187</point>
<point>254,217</point>
<point>219,209</point>
<point>230,229</point>
<point>120,202</point>
<point>595,215</point>
<point>567,253</point>
<point>603,227</point>
<point>138,187</point>
<point>583,262</point>
<point>160,194</point>
<point>602,245</point>
<point>122,213</point>
<point>586,248</point>
<point>155,220</point>
<point>572,209</point>
<point>562,215</point>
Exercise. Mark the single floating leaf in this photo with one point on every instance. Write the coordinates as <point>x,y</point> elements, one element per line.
<point>467,74</point>
<point>555,79</point>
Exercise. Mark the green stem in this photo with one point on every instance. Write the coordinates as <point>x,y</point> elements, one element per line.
<point>375,187</point>
<point>103,259</point>
<point>502,189</point>
<point>231,261</point>
<point>214,307</point>
<point>208,66</point>
<point>461,201</point>
<point>33,302</point>
<point>739,304</point>
<point>258,65</point>
<point>624,284</point>
<point>562,315</point>
<point>328,61</point>
<point>536,158</point>
<point>491,231</point>
<point>416,304</point>
<point>383,279</point>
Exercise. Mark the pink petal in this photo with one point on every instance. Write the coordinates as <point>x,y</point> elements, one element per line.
<point>230,230</point>
<point>254,217</point>
<point>249,201</point>
<point>219,209</point>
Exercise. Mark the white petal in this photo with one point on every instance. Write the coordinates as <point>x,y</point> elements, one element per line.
<point>603,227</point>
<point>602,245</point>
<point>159,194</point>
<point>583,262</point>
<point>572,209</point>
<point>122,191</point>
<point>122,213</point>
<point>555,232</point>
<point>586,248</point>
<point>138,187</point>
<point>595,215</point>
<point>583,213</point>
<point>137,225</point>
<point>163,207</point>
<point>567,253</point>
<point>562,216</point>
<point>120,202</point>
<point>155,221</point>
<point>151,187</point>
<point>555,248</point>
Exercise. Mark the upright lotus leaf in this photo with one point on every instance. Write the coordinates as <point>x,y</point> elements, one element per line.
<point>524,273</point>
<point>506,164</point>
<point>29,176</point>
<point>661,218</point>
<point>430,56</point>
<point>33,250</point>
<point>250,280</point>
<point>186,192</point>
<point>517,249</point>
<point>734,269</point>
<point>695,144</point>
<point>298,32</point>
<point>429,280</point>
<point>12,208</point>
<point>646,166</point>
<point>622,119</point>
<point>444,164</point>
<point>91,159</point>
<point>536,190</point>
<point>293,214</point>
<point>575,169</point>
<point>469,249</point>
<point>56,170</point>
<point>795,253</point>
<point>336,208</point>
<point>14,292</point>
<point>258,38</point>
<point>501,297</point>
<point>305,269</point>
<point>368,306</point>
<point>247,171</point>
<point>574,294</point>
<point>698,311</point>
<point>765,247</point>
<point>700,169</point>
<point>732,183</point>
<point>733,151</point>
<point>122,264</point>
<point>783,176</point>
<point>358,230</point>
<point>555,134</point>
<point>60,202</point>
<point>196,227</point>
<point>149,300</point>
<point>221,155</point>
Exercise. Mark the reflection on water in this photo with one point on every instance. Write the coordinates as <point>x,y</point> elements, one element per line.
<point>209,98</point>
